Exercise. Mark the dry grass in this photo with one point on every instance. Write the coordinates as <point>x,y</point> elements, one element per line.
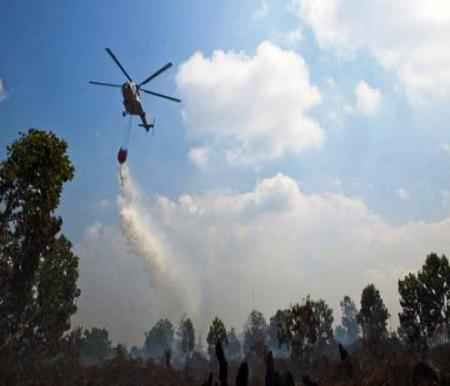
<point>393,367</point>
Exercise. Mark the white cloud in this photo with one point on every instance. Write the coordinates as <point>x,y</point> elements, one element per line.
<point>199,156</point>
<point>3,93</point>
<point>273,240</point>
<point>402,194</point>
<point>445,147</point>
<point>292,38</point>
<point>255,107</point>
<point>261,12</point>
<point>409,37</point>
<point>367,98</point>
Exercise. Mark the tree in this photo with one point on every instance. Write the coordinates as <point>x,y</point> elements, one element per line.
<point>121,352</point>
<point>434,294</point>
<point>95,345</point>
<point>57,291</point>
<point>349,319</point>
<point>217,333</point>
<point>186,336</point>
<point>300,331</point>
<point>158,339</point>
<point>233,348</point>
<point>278,328</point>
<point>373,315</point>
<point>323,316</point>
<point>38,271</point>
<point>411,329</point>
<point>425,301</point>
<point>255,333</point>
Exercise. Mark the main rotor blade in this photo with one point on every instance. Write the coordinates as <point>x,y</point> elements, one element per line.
<point>118,63</point>
<point>161,95</point>
<point>155,74</point>
<point>105,84</point>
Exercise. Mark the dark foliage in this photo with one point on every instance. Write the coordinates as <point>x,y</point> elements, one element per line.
<point>217,333</point>
<point>158,339</point>
<point>372,316</point>
<point>425,301</point>
<point>38,270</point>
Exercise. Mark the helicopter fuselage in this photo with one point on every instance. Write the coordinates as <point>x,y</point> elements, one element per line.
<point>131,99</point>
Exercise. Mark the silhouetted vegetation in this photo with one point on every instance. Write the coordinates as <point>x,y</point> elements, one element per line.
<point>38,271</point>
<point>217,333</point>
<point>158,339</point>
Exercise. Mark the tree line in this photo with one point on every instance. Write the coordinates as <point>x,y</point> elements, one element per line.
<point>307,327</point>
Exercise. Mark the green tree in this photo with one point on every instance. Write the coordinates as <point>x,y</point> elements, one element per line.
<point>349,319</point>
<point>38,271</point>
<point>278,328</point>
<point>217,332</point>
<point>300,331</point>
<point>95,345</point>
<point>186,336</point>
<point>57,292</point>
<point>411,329</point>
<point>373,315</point>
<point>255,330</point>
<point>425,301</point>
<point>323,316</point>
<point>158,339</point>
<point>434,294</point>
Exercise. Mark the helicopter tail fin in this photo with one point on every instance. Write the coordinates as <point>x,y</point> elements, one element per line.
<point>145,125</point>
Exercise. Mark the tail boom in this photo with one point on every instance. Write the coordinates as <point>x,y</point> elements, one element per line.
<point>145,124</point>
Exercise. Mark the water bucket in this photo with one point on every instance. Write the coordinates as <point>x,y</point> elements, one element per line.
<point>122,155</point>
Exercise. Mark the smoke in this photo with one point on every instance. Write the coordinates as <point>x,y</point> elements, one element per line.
<point>138,230</point>
<point>145,241</point>
<point>223,253</point>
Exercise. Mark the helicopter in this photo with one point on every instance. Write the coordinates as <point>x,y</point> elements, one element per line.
<point>131,92</point>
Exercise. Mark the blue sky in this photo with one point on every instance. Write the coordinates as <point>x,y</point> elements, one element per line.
<point>386,148</point>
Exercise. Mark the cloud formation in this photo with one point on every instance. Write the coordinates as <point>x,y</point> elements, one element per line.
<point>274,241</point>
<point>409,37</point>
<point>255,108</point>
<point>445,147</point>
<point>367,98</point>
<point>199,156</point>
<point>402,194</point>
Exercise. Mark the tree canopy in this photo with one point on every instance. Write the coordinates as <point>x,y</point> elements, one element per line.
<point>373,315</point>
<point>323,316</point>
<point>425,301</point>
<point>349,320</point>
<point>159,338</point>
<point>299,329</point>
<point>95,345</point>
<point>217,333</point>
<point>38,270</point>
<point>186,336</point>
<point>255,330</point>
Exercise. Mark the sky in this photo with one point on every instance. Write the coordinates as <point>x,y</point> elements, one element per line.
<point>310,154</point>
